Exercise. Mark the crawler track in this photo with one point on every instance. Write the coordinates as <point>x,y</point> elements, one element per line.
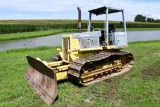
<point>99,67</point>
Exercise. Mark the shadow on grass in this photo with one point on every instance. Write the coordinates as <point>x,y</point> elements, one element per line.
<point>68,80</point>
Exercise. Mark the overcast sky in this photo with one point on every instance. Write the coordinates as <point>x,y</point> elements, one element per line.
<point>67,9</point>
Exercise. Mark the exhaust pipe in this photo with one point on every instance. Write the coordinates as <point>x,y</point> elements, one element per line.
<point>79,20</point>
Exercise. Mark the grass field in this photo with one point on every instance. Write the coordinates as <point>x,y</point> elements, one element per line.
<point>25,35</point>
<point>140,87</point>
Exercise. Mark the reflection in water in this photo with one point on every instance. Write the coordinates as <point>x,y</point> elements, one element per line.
<point>56,40</point>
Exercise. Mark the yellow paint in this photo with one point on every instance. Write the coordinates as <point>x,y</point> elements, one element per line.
<point>58,49</point>
<point>57,63</point>
<point>109,47</point>
<point>63,68</point>
<point>61,54</point>
<point>74,51</point>
<point>61,75</point>
<point>88,76</point>
<point>91,49</point>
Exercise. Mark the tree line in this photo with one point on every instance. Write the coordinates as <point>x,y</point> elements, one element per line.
<point>141,18</point>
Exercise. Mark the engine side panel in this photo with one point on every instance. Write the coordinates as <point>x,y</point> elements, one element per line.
<point>88,39</point>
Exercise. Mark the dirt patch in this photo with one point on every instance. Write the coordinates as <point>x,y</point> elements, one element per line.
<point>111,90</point>
<point>35,98</point>
<point>157,54</point>
<point>153,71</point>
<point>88,99</point>
<point>14,99</point>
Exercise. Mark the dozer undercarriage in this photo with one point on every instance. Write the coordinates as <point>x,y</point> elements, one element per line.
<point>101,66</point>
<point>85,58</point>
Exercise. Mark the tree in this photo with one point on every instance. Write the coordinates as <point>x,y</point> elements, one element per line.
<point>140,18</point>
<point>157,20</point>
<point>150,20</point>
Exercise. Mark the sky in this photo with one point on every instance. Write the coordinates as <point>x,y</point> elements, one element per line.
<point>67,9</point>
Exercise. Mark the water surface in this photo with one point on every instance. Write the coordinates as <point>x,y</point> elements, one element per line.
<point>56,40</point>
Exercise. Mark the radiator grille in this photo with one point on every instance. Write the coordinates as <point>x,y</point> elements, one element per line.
<point>66,47</point>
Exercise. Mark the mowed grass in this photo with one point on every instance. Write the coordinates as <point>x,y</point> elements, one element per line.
<point>140,87</point>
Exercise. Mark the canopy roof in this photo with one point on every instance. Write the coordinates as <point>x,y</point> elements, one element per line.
<point>102,10</point>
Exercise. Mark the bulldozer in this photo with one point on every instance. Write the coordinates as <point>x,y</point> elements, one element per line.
<point>85,57</point>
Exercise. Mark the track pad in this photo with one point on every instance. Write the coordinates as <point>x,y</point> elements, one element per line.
<point>42,79</point>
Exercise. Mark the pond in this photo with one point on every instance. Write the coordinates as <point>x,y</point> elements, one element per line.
<point>55,40</point>
<point>134,36</point>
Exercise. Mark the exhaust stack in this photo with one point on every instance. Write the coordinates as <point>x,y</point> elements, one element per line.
<point>79,20</point>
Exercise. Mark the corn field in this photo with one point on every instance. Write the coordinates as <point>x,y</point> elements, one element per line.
<point>14,26</point>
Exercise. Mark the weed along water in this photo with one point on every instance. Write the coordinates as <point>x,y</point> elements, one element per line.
<point>55,40</point>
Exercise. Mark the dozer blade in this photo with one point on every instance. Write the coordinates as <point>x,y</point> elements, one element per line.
<point>42,79</point>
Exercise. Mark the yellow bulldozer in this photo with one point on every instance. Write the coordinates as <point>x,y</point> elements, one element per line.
<point>85,57</point>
